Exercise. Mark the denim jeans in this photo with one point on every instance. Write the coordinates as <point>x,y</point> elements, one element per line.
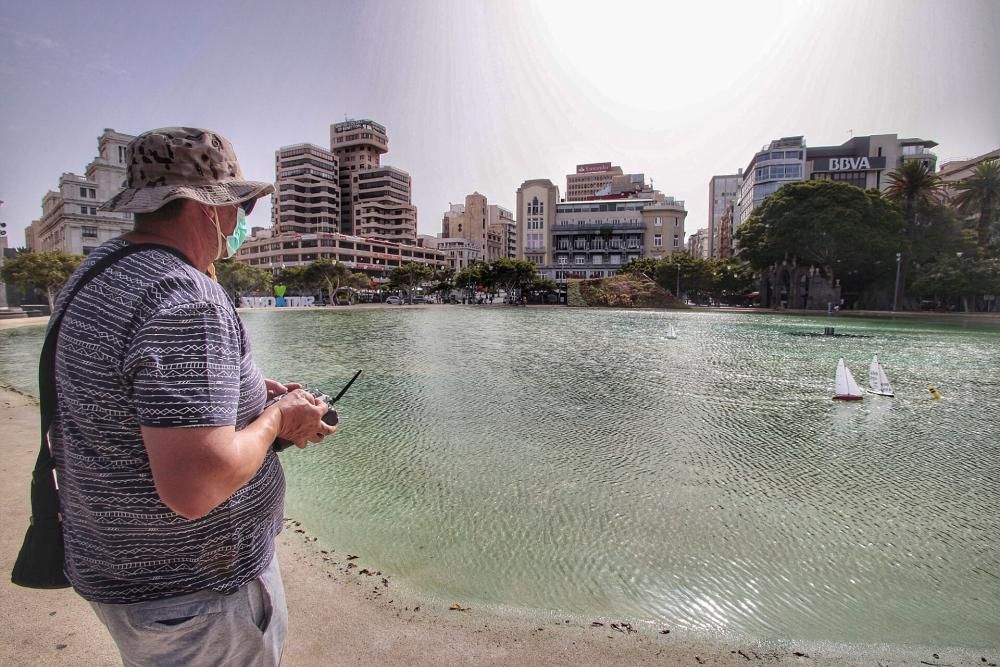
<point>247,627</point>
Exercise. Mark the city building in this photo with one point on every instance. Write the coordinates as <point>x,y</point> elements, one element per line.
<point>489,227</point>
<point>867,161</point>
<point>594,238</point>
<point>697,245</point>
<point>727,233</point>
<point>71,218</point>
<point>272,250</point>
<point>782,161</point>
<point>953,171</point>
<point>375,199</point>
<point>457,253</point>
<point>722,192</point>
<point>536,214</point>
<point>307,190</point>
<point>863,161</point>
<point>590,179</point>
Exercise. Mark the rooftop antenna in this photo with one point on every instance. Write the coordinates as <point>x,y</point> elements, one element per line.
<point>851,132</point>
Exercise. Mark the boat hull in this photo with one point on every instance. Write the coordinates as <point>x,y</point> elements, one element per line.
<point>847,397</point>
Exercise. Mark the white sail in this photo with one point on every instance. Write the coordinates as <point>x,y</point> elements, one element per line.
<point>878,382</point>
<point>671,331</point>
<point>846,387</point>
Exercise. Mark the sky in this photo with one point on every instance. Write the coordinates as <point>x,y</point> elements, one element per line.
<point>481,95</point>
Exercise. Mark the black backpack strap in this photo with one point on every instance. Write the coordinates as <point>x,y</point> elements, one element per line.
<point>44,496</point>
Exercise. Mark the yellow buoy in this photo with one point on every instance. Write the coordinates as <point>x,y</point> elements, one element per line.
<point>935,394</point>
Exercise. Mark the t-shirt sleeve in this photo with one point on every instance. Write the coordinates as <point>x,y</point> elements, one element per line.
<point>185,367</point>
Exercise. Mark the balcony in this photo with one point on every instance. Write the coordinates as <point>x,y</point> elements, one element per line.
<point>599,248</point>
<point>573,227</point>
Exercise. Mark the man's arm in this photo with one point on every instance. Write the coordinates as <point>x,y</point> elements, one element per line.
<point>196,468</point>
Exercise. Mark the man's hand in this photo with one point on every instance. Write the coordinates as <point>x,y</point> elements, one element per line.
<point>275,388</point>
<point>302,418</point>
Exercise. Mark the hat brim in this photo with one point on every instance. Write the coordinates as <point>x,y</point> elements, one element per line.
<point>147,200</point>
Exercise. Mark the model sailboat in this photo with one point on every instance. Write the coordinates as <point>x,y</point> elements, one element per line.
<point>671,331</point>
<point>878,382</point>
<point>847,388</point>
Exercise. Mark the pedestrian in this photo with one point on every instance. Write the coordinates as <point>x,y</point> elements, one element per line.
<point>170,490</point>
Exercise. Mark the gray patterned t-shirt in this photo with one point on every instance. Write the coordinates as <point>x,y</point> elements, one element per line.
<point>153,342</point>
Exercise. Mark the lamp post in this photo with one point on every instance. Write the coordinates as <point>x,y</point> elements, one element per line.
<point>895,291</point>
<point>678,291</point>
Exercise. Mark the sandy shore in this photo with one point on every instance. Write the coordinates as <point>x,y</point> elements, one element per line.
<point>344,612</point>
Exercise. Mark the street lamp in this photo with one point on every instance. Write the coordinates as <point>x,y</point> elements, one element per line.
<point>895,291</point>
<point>677,293</point>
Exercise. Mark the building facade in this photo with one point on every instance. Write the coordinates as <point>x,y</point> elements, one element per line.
<point>456,253</point>
<point>536,214</point>
<point>490,228</point>
<point>722,192</point>
<point>375,199</point>
<point>71,218</point>
<point>590,179</point>
<point>866,161</point>
<point>782,161</point>
<point>273,251</point>
<point>953,171</point>
<point>307,190</point>
<point>697,243</point>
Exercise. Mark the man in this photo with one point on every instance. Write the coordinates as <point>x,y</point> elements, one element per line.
<point>170,490</point>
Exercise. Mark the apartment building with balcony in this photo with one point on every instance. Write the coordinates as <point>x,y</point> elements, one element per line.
<point>595,238</point>
<point>457,253</point>
<point>71,218</point>
<point>376,199</point>
<point>781,161</point>
<point>307,190</point>
<point>273,251</point>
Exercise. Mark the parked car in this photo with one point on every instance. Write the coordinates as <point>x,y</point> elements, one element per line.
<point>394,301</point>
<point>420,299</point>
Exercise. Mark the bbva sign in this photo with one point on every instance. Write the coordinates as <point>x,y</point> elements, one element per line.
<point>850,164</point>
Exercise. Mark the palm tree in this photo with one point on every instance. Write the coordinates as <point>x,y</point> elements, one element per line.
<point>913,187</point>
<point>980,193</point>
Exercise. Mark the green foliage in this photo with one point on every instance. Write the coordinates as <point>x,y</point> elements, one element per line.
<point>954,277</point>
<point>979,194</point>
<point>641,266</point>
<point>409,277</point>
<point>235,277</point>
<point>326,273</point>
<point>294,278</point>
<point>359,280</point>
<point>45,270</point>
<point>620,291</point>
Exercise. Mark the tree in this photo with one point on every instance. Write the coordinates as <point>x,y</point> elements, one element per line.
<point>955,276</point>
<point>235,276</point>
<point>327,273</point>
<point>359,280</point>
<point>733,279</point>
<point>695,275</point>
<point>467,279</point>
<point>409,277</point>
<point>980,194</point>
<point>294,278</point>
<point>844,231</point>
<point>45,270</point>
<point>642,266</point>
<point>512,275</point>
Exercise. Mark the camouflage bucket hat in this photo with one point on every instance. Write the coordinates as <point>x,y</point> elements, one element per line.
<point>182,163</point>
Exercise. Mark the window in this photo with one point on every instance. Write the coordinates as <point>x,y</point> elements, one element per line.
<point>580,259</point>
<point>657,240</point>
<point>93,193</point>
<point>677,222</point>
<point>89,232</point>
<point>677,241</point>
<point>83,192</point>
<point>596,259</point>
<point>563,259</point>
<point>658,222</point>
<point>615,259</point>
<point>121,155</point>
<point>84,209</point>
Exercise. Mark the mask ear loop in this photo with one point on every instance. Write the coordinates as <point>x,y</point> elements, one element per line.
<point>220,246</point>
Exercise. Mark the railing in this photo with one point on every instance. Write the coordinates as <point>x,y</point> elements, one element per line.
<point>569,227</point>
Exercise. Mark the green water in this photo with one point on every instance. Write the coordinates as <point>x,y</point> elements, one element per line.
<point>580,462</point>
